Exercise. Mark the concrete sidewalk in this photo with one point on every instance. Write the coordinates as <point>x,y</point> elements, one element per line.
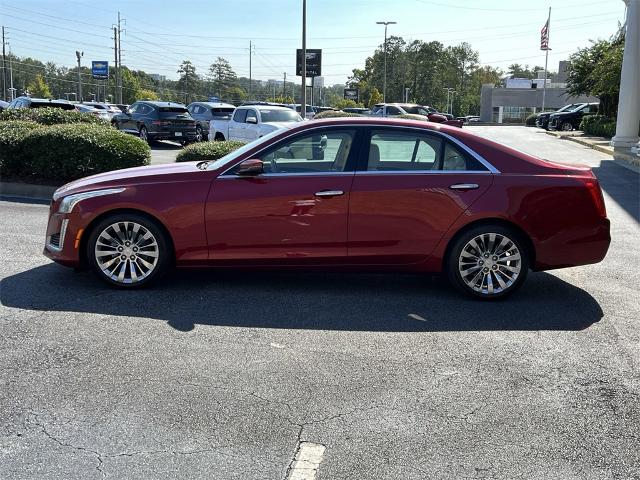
<point>600,144</point>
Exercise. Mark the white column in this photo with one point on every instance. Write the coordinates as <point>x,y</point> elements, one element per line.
<point>500,112</point>
<point>629,104</point>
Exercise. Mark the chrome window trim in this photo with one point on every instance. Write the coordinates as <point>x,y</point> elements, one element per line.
<point>63,231</point>
<point>422,172</point>
<point>455,141</point>
<point>292,174</point>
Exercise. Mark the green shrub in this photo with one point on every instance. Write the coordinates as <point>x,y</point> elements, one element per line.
<point>49,116</point>
<point>598,126</point>
<point>334,114</point>
<point>412,116</point>
<point>198,152</point>
<point>67,152</point>
<point>13,158</point>
<point>531,120</point>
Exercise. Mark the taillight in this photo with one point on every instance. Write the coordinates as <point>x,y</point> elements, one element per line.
<point>596,195</point>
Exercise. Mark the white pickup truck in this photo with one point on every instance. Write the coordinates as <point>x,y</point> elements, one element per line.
<point>252,121</point>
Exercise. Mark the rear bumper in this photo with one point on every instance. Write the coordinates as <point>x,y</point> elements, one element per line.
<point>573,247</point>
<point>177,135</point>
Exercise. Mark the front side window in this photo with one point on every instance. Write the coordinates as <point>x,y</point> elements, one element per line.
<point>397,151</point>
<point>323,151</point>
<point>134,108</point>
<point>240,116</point>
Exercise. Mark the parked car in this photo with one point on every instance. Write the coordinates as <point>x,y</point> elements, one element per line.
<point>570,119</point>
<point>422,198</point>
<point>542,119</point>
<point>153,121</point>
<point>324,109</point>
<point>251,122</point>
<point>358,110</point>
<point>204,112</point>
<point>96,112</point>
<point>28,102</point>
<point>3,105</point>
<point>310,110</point>
<point>397,109</point>
<point>110,110</point>
<point>122,107</point>
<point>469,118</point>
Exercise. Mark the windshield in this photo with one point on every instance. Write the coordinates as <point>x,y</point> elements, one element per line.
<point>416,110</point>
<point>242,150</point>
<point>279,116</point>
<point>576,107</point>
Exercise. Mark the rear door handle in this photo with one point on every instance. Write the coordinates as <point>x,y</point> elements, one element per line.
<point>329,193</point>
<point>464,186</point>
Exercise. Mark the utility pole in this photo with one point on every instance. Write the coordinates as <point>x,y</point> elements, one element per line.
<point>250,52</point>
<point>284,86</point>
<point>384,88</point>
<point>546,60</point>
<point>4,69</point>
<point>119,78</point>
<point>115,50</point>
<point>303,99</point>
<point>79,55</point>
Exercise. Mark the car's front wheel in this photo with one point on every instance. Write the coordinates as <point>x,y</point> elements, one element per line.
<point>199,134</point>
<point>488,262</point>
<point>566,127</point>
<point>128,250</point>
<point>144,135</point>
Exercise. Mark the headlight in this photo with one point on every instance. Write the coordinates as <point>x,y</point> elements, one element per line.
<point>70,201</point>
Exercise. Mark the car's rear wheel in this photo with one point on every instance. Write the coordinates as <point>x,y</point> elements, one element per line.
<point>199,134</point>
<point>144,135</point>
<point>566,127</point>
<point>128,250</point>
<point>488,262</point>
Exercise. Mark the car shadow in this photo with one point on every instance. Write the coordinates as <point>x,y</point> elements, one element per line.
<point>316,301</point>
<point>165,145</point>
<point>622,184</point>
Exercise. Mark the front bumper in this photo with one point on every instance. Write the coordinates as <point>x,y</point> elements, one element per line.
<point>63,237</point>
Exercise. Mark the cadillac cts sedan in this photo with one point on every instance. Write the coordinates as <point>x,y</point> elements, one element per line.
<point>355,193</point>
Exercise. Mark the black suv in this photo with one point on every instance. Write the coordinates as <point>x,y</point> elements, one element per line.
<point>153,121</point>
<point>570,120</point>
<point>28,102</point>
<point>204,112</point>
<point>542,120</point>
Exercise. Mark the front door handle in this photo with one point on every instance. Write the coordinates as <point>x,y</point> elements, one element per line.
<point>464,186</point>
<point>329,193</point>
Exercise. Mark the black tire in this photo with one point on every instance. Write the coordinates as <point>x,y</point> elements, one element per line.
<point>115,125</point>
<point>455,262</point>
<point>164,251</point>
<point>566,127</point>
<point>144,135</point>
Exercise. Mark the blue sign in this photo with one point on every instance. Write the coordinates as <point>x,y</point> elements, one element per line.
<point>100,69</point>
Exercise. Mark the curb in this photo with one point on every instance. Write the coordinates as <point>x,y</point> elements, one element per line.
<point>27,190</point>
<point>632,160</point>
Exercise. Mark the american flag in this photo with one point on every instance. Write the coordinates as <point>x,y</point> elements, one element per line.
<point>544,37</point>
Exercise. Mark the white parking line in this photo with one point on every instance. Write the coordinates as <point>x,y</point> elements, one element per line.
<point>307,461</point>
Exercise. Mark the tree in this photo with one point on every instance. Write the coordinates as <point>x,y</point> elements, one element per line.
<point>38,88</point>
<point>374,97</point>
<point>595,71</point>
<point>146,94</point>
<point>189,81</point>
<point>346,103</point>
<point>222,76</point>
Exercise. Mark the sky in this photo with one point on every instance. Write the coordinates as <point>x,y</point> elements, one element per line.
<point>159,34</point>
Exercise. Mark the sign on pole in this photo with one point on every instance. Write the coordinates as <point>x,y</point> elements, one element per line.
<point>100,69</point>
<point>314,62</point>
<point>352,94</point>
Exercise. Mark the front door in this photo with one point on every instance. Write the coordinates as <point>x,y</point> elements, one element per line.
<point>296,210</point>
<point>407,194</point>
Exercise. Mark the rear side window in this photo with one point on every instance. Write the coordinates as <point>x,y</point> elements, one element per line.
<point>402,151</point>
<point>173,110</point>
<point>240,116</point>
<point>454,159</point>
<point>221,112</point>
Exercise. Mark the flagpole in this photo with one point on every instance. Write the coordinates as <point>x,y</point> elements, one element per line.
<point>546,60</point>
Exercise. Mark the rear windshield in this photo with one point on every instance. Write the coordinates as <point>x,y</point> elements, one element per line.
<point>279,116</point>
<point>222,112</point>
<point>173,110</point>
<point>64,106</point>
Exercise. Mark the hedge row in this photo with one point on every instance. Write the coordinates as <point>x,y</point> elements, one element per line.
<point>198,152</point>
<point>66,152</point>
<point>598,126</point>
<point>531,120</point>
<point>49,116</point>
<point>334,114</point>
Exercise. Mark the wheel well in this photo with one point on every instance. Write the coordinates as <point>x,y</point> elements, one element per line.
<point>526,240</point>
<point>219,136</point>
<point>89,229</point>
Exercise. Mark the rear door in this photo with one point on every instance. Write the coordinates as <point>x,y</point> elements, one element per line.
<point>411,185</point>
<point>296,210</point>
<point>237,125</point>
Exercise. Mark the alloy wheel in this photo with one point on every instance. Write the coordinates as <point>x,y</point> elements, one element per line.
<point>126,252</point>
<point>143,134</point>
<point>567,127</point>
<point>199,135</point>
<point>490,263</point>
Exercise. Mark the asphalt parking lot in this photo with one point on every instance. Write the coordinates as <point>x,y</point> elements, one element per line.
<point>224,375</point>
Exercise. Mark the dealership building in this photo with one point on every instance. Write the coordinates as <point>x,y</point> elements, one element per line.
<point>520,97</point>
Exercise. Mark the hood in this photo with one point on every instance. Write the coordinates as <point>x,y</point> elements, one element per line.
<point>130,176</point>
<point>278,125</point>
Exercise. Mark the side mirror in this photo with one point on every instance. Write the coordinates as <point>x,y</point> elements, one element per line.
<point>253,120</point>
<point>250,168</point>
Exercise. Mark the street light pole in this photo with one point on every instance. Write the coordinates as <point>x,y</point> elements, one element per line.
<point>303,100</point>
<point>384,87</point>
<point>79,55</point>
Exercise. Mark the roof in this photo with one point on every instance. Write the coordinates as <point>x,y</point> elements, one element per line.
<point>163,104</point>
<point>266,107</point>
<point>214,104</point>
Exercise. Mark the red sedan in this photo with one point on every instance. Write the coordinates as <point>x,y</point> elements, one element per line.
<point>341,193</point>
